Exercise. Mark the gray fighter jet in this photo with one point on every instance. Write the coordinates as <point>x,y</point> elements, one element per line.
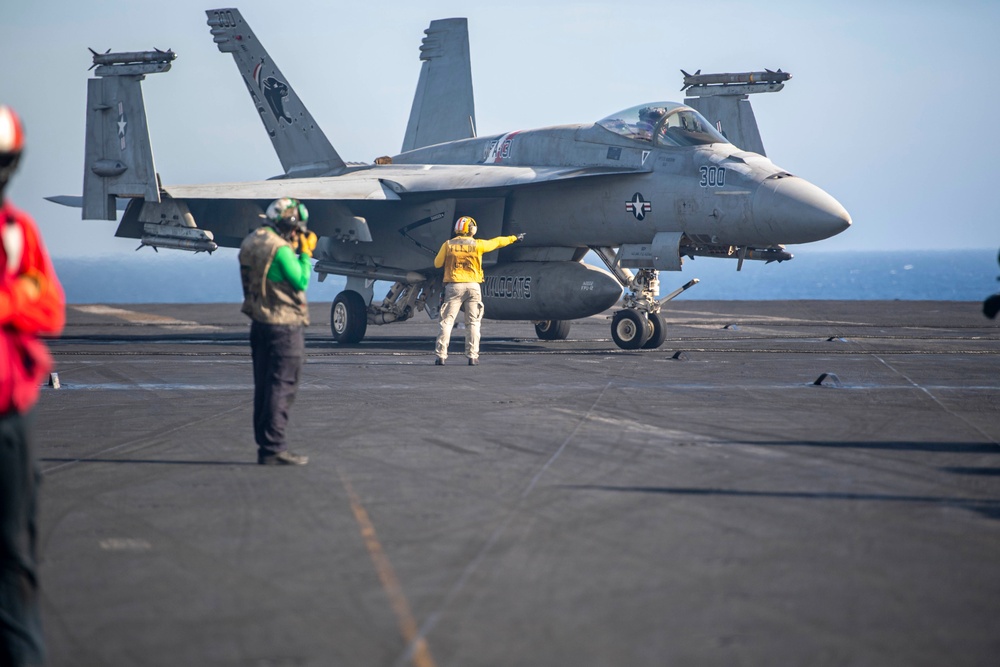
<point>642,188</point>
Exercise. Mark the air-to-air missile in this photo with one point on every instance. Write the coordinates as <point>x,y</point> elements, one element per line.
<point>767,255</point>
<point>731,84</point>
<point>726,79</point>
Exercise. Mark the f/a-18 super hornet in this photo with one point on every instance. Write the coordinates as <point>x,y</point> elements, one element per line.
<point>641,188</point>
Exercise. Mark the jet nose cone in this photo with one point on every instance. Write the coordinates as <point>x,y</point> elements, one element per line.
<point>792,210</point>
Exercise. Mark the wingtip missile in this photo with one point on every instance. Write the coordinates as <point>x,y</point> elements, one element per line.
<point>132,63</point>
<point>688,76</point>
<point>733,78</point>
<point>132,57</point>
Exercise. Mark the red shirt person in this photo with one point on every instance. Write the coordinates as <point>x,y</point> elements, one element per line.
<point>31,304</point>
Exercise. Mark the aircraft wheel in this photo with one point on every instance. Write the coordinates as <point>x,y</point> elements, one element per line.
<point>348,317</point>
<point>630,329</point>
<point>659,334</point>
<point>552,329</point>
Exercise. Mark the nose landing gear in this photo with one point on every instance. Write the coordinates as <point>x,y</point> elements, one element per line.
<point>630,329</point>
<point>640,325</point>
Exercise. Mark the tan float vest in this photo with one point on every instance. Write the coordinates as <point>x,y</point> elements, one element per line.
<point>265,300</point>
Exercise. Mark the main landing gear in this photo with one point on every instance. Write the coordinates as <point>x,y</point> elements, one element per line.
<point>350,314</point>
<point>552,329</point>
<point>640,325</point>
<point>348,317</point>
<point>631,329</point>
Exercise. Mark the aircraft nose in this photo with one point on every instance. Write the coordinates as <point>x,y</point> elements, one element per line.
<point>793,210</point>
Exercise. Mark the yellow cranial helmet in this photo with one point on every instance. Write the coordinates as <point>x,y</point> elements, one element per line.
<point>465,226</point>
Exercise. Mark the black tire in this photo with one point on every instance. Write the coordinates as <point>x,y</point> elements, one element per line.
<point>552,329</point>
<point>630,329</point>
<point>348,318</point>
<point>659,334</point>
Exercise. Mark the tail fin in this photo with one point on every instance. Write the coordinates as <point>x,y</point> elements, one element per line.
<point>443,106</point>
<point>118,157</point>
<point>301,146</point>
<point>724,100</point>
<point>733,116</point>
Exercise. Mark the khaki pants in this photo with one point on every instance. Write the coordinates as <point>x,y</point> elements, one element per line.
<point>456,294</point>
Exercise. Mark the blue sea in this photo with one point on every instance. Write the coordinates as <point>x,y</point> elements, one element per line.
<point>936,275</point>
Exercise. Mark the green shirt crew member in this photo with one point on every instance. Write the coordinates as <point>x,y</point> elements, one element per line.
<point>274,268</point>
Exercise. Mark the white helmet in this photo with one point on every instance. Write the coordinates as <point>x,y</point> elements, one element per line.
<point>11,144</point>
<point>11,131</point>
<point>465,226</point>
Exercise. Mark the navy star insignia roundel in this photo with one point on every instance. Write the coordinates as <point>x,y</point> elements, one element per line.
<point>638,206</point>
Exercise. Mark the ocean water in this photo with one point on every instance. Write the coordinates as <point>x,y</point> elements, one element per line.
<point>936,275</point>
<point>932,275</point>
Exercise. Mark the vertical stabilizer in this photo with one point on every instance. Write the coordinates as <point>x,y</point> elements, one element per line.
<point>734,117</point>
<point>443,106</point>
<point>118,158</point>
<point>301,146</point>
<point>724,100</point>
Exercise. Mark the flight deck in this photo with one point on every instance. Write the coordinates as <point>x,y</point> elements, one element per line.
<point>782,482</point>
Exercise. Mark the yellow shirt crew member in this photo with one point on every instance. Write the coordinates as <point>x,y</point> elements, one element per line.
<point>462,260</point>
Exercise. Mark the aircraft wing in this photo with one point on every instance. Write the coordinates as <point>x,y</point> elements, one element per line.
<point>204,217</point>
<point>390,183</point>
<point>373,184</point>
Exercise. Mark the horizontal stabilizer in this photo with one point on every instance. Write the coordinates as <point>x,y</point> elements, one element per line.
<point>76,201</point>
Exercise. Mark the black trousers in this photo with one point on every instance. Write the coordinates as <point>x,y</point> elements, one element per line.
<point>278,354</point>
<point>20,623</point>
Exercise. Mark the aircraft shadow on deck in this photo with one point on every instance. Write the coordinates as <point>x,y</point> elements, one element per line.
<point>990,508</point>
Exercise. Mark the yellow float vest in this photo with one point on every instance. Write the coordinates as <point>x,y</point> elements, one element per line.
<point>462,257</point>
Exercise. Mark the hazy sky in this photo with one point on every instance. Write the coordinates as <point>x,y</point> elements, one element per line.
<point>890,109</point>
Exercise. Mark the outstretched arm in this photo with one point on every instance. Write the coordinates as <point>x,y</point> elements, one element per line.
<point>489,245</point>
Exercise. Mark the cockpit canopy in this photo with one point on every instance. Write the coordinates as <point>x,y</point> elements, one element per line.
<point>665,124</point>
